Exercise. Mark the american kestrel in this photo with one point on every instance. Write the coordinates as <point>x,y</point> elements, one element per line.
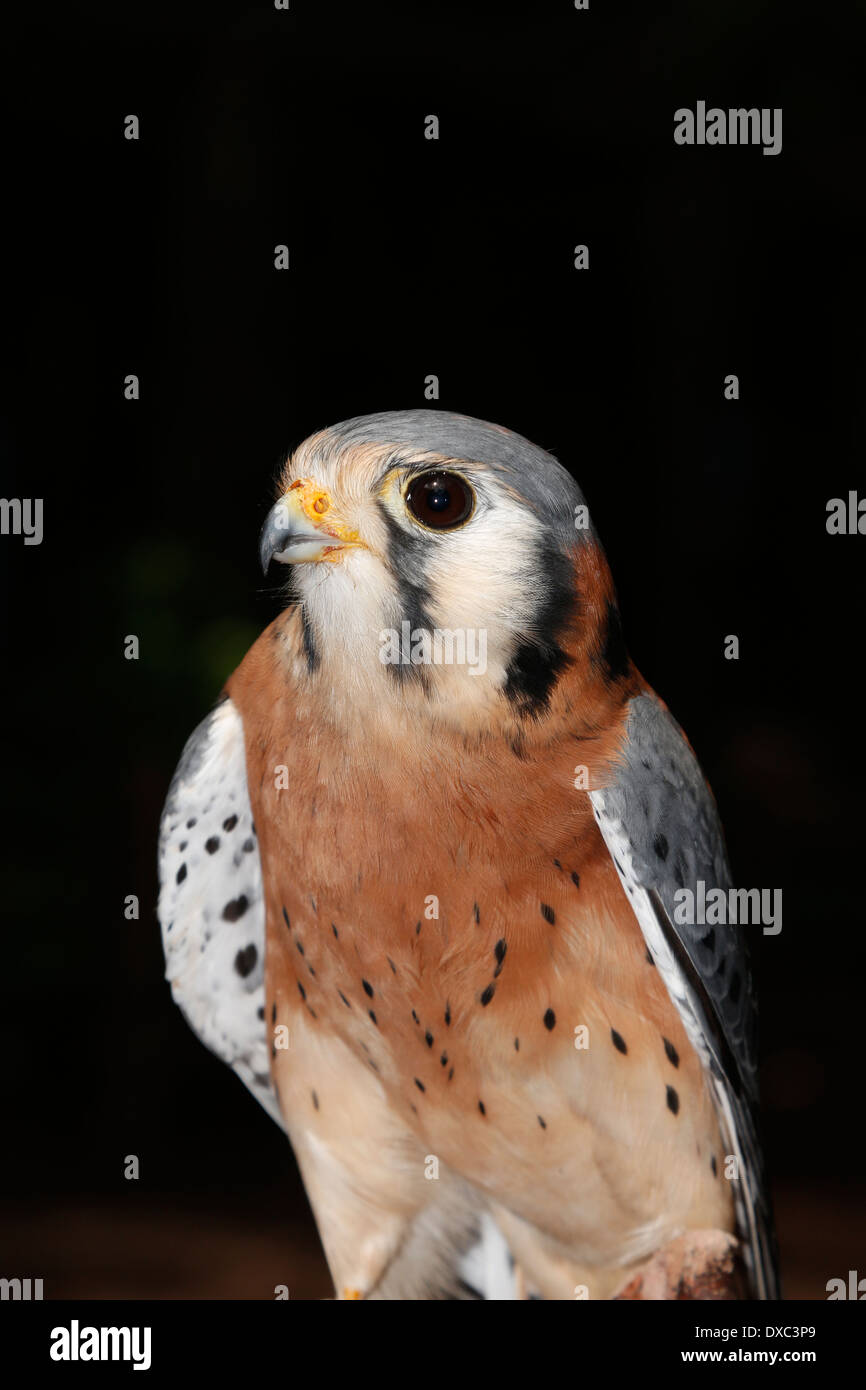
<point>418,870</point>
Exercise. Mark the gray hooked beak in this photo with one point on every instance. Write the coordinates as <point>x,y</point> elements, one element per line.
<point>290,536</point>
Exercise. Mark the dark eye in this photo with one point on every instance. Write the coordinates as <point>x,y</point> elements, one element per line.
<point>439,500</point>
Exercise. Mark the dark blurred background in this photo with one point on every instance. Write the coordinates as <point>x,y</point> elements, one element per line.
<point>408,257</point>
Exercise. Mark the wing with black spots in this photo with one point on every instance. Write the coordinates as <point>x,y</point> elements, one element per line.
<point>211,905</point>
<point>659,821</point>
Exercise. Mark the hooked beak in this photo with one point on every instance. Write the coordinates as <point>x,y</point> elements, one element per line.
<point>298,527</point>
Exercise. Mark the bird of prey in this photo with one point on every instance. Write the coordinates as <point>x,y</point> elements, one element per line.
<point>418,873</point>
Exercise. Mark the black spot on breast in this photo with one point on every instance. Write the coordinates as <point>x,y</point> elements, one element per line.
<point>344,999</point>
<point>336,933</point>
<point>618,1041</point>
<point>673,1100</point>
<point>575,878</point>
<point>541,1122</point>
<point>481,1107</point>
<point>516,1044</point>
<point>248,846</point>
<point>451,1073</point>
<point>286,919</point>
<point>182,846</point>
<point>448,1015</point>
<point>428,1038</point>
<point>671,1053</point>
<point>273,1013</point>
<point>181,874</point>
<point>714,1165</point>
<point>213,844</point>
<point>301,990</point>
<point>548,913</point>
<point>550,1020</point>
<point>235,909</point>
<point>230,823</point>
<point>660,845</point>
<point>245,960</point>
<point>417,928</point>
<point>443,1060</point>
<point>419,1084</point>
<point>487,996</point>
<point>392,965</point>
<point>649,959</point>
<point>300,946</point>
<point>368,988</point>
<point>477,913</point>
<point>191,823</point>
<point>415,1017</point>
<point>315,1099</point>
<point>373,1016</point>
<point>261,1013</point>
<point>499,950</point>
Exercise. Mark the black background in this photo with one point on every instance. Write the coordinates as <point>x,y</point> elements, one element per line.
<point>408,257</point>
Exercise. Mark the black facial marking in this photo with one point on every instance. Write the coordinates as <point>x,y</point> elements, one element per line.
<point>213,844</point>
<point>230,823</point>
<point>236,908</point>
<point>618,1041</point>
<point>672,1099</point>
<point>536,666</point>
<point>671,1053</point>
<point>245,960</point>
<point>613,655</point>
<point>487,996</point>
<point>550,1020</point>
<point>548,913</point>
<point>308,643</point>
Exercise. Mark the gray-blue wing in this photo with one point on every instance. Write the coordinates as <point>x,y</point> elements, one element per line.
<point>659,821</point>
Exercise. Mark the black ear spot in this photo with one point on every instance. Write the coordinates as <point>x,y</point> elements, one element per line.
<point>613,656</point>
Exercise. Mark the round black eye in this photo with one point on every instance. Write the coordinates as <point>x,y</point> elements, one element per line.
<point>439,500</point>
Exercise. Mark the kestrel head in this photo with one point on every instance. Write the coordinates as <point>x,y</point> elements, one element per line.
<point>437,561</point>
